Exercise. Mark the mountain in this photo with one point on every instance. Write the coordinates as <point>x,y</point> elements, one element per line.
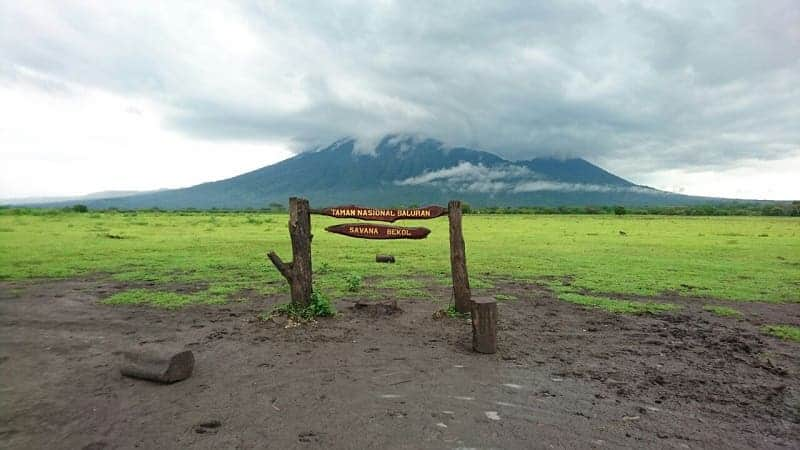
<point>404,170</point>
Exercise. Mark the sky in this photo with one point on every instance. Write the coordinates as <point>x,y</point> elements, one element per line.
<point>694,97</point>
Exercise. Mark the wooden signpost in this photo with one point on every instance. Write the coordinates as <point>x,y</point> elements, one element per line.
<point>375,231</point>
<point>298,271</point>
<point>458,259</point>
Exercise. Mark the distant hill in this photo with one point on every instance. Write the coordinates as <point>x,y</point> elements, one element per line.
<point>403,170</point>
<point>73,198</point>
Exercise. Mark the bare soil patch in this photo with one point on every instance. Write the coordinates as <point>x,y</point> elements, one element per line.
<point>564,376</point>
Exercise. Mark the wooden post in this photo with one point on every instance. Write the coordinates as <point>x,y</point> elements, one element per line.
<point>484,325</point>
<point>298,271</point>
<point>458,259</point>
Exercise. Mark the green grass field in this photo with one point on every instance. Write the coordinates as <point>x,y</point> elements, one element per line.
<point>223,255</point>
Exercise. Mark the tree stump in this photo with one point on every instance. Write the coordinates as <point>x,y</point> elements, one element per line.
<point>484,325</point>
<point>298,271</point>
<point>384,258</point>
<point>160,366</point>
<point>458,259</point>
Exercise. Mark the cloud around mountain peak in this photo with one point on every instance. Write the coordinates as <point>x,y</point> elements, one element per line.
<point>509,178</point>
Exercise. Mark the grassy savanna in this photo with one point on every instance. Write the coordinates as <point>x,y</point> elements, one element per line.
<point>223,255</point>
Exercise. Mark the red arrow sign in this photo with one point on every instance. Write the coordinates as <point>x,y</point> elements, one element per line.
<point>375,231</point>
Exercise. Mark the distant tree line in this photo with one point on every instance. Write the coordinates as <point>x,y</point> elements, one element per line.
<point>711,209</point>
<point>776,209</point>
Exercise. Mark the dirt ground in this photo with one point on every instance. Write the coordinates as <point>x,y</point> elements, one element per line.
<point>564,376</point>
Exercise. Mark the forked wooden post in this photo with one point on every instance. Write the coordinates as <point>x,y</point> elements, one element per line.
<point>298,271</point>
<point>458,259</point>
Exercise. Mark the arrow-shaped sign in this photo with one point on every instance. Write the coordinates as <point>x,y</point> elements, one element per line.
<point>382,214</point>
<point>375,231</point>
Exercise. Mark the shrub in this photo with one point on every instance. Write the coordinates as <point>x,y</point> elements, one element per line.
<point>453,313</point>
<point>353,282</point>
<point>320,306</point>
<point>620,210</point>
<point>80,208</point>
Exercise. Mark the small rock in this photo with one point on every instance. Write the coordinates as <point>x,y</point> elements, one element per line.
<point>207,427</point>
<point>492,415</point>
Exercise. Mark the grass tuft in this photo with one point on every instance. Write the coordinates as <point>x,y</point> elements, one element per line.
<point>453,313</point>
<point>161,299</point>
<point>618,306</point>
<point>320,306</point>
<point>723,311</point>
<point>785,332</point>
<point>353,282</point>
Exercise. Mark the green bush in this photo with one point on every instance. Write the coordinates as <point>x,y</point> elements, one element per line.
<point>453,313</point>
<point>80,208</point>
<point>320,306</point>
<point>353,282</point>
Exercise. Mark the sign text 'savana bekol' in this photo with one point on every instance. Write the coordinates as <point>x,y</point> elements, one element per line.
<point>376,231</point>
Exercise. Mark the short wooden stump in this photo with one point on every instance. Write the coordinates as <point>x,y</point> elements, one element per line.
<point>156,364</point>
<point>484,324</point>
<point>384,258</point>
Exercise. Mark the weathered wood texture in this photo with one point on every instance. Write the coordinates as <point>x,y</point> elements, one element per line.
<point>298,271</point>
<point>382,214</point>
<point>157,365</point>
<point>384,258</point>
<point>458,259</point>
<point>484,325</point>
<point>376,231</point>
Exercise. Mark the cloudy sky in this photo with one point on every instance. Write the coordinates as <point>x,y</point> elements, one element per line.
<point>696,97</point>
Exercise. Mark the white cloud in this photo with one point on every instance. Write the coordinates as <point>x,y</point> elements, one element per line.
<point>466,171</point>
<point>646,87</point>
<point>94,141</point>
<point>507,178</point>
<point>771,180</point>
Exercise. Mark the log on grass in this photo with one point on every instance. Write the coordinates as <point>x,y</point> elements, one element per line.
<point>157,365</point>
<point>384,258</point>
<point>484,324</point>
